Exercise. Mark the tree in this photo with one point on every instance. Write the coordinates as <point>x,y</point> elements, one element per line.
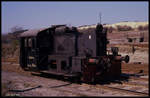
<point>16,28</point>
<point>110,29</point>
<point>140,28</point>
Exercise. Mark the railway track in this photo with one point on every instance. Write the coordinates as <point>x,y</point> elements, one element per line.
<point>139,78</point>
<point>136,81</point>
<point>119,90</point>
<point>127,91</point>
<point>136,85</point>
<point>129,84</point>
<point>125,86</point>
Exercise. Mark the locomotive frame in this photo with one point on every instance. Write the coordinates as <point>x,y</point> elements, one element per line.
<point>70,52</point>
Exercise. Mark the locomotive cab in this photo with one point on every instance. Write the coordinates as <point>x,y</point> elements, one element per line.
<point>35,46</point>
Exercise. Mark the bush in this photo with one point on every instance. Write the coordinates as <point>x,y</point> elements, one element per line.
<point>110,29</point>
<point>124,28</point>
<point>10,49</point>
<point>141,28</point>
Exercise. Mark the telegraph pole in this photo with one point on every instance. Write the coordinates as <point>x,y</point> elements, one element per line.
<point>100,17</point>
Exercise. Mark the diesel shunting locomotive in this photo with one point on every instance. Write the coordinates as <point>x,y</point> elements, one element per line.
<point>70,52</point>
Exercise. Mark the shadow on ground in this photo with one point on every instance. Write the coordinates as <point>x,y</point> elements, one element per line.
<point>124,78</point>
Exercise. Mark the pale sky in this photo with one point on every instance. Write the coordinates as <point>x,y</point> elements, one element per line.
<point>32,15</point>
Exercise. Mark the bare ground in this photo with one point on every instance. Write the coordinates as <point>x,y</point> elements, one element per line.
<point>14,78</point>
<point>40,86</point>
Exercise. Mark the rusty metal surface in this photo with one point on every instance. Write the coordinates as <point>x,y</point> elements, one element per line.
<point>105,69</point>
<point>31,33</point>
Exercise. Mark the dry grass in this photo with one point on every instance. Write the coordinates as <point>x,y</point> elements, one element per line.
<point>4,89</point>
<point>6,86</point>
<point>13,67</point>
<point>127,47</point>
<point>12,60</point>
<point>135,68</point>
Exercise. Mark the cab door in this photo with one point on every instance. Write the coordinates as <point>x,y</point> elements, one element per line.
<point>44,48</point>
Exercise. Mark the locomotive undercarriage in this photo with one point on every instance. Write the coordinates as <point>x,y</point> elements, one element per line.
<point>86,69</point>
